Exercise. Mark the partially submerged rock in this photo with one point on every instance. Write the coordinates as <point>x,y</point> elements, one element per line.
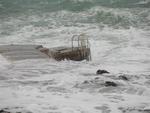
<point>134,110</point>
<point>99,72</point>
<point>3,111</point>
<point>86,82</point>
<point>123,77</point>
<point>110,83</point>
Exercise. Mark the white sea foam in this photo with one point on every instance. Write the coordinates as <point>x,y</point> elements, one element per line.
<point>42,86</point>
<point>143,2</point>
<point>3,62</point>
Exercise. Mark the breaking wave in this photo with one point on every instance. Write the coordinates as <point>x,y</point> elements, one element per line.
<point>115,13</point>
<point>118,31</point>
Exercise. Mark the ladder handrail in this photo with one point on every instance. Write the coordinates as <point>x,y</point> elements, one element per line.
<point>73,40</point>
<point>79,39</point>
<point>83,45</point>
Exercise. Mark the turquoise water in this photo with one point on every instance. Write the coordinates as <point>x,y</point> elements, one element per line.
<point>136,11</point>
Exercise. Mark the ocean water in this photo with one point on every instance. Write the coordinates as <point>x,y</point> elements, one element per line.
<point>119,35</point>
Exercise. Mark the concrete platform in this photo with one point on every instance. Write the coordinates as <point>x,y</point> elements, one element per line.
<point>21,52</point>
<point>76,53</point>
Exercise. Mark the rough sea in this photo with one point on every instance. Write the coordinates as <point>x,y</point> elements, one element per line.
<point>119,36</point>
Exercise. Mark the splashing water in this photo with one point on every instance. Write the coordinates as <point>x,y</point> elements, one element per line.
<point>118,31</point>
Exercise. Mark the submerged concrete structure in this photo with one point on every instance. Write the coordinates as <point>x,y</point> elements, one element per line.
<point>22,52</point>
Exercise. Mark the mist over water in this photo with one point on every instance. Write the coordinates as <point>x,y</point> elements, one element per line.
<point>119,35</point>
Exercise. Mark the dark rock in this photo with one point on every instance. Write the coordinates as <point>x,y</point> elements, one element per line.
<point>39,46</point>
<point>85,82</point>
<point>109,83</point>
<point>123,77</point>
<point>147,110</point>
<point>101,72</point>
<point>3,111</point>
<point>96,78</point>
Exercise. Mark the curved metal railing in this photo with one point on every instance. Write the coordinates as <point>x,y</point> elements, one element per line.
<point>82,44</point>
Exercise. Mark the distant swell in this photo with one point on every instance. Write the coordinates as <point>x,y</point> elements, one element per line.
<point>115,13</point>
<point>70,5</point>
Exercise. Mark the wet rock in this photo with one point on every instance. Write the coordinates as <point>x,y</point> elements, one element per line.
<point>147,110</point>
<point>134,110</point>
<point>123,77</point>
<point>96,78</point>
<point>85,82</point>
<point>3,111</point>
<point>104,109</point>
<point>38,46</point>
<point>109,83</point>
<point>101,72</point>
<point>44,50</point>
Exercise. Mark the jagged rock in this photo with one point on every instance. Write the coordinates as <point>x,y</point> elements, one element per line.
<point>123,77</point>
<point>109,83</point>
<point>101,72</point>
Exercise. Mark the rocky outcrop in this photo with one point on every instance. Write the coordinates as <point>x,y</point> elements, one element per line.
<point>99,72</point>
<point>110,83</point>
<point>3,111</point>
<point>123,77</point>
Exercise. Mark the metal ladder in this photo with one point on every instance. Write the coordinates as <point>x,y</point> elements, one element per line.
<point>82,45</point>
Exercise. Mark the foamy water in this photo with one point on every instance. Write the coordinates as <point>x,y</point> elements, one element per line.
<point>121,46</point>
